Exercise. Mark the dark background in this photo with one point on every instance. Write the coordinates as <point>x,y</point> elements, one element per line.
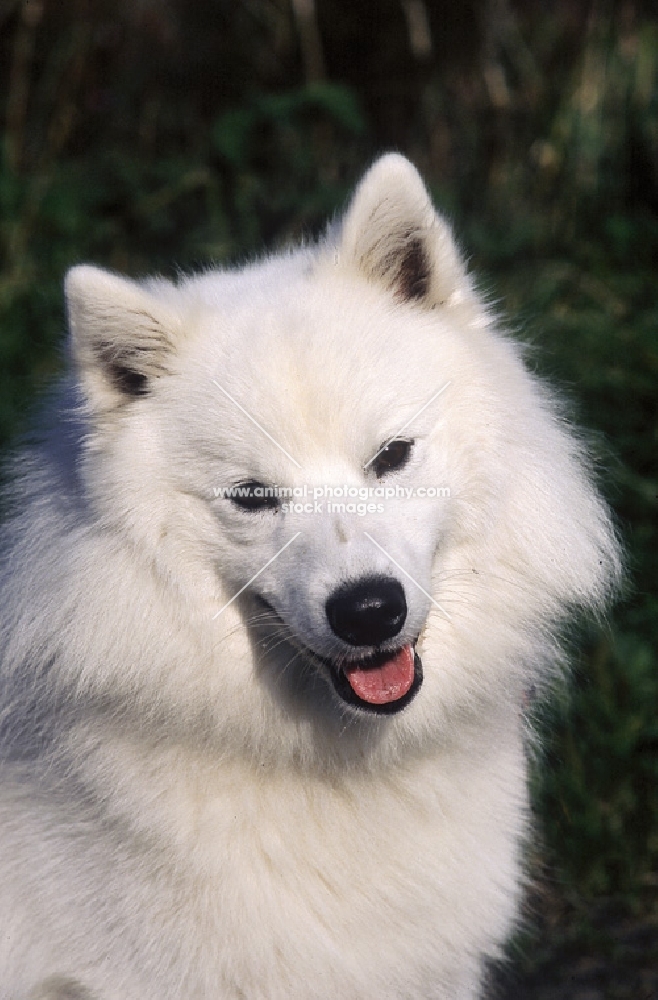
<point>163,134</point>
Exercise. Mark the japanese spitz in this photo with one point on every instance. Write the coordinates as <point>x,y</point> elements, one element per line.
<point>294,544</point>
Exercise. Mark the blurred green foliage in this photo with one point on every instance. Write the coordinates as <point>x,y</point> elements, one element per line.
<point>595,315</point>
<point>163,135</point>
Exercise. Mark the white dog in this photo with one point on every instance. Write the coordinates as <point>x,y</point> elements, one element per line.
<point>295,541</point>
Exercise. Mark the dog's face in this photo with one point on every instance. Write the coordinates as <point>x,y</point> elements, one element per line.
<point>330,484</point>
<point>300,408</point>
<point>331,455</point>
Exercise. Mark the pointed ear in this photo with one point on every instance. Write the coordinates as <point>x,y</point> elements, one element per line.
<point>392,235</point>
<point>121,335</point>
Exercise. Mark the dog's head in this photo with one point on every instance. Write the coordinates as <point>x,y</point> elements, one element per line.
<point>333,454</point>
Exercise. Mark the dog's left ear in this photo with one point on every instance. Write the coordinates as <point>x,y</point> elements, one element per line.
<point>392,235</point>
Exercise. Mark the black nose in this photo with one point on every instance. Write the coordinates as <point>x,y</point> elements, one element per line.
<point>367,612</point>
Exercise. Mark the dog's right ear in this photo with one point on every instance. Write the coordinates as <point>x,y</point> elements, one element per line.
<point>121,336</point>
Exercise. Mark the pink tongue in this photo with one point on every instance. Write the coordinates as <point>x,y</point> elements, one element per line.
<point>388,682</point>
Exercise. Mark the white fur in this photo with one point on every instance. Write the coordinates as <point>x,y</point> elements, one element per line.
<point>187,811</point>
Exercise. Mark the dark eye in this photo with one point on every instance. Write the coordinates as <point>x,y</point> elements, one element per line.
<point>252,495</point>
<point>392,456</point>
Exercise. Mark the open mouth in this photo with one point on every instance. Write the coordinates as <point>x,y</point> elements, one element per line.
<point>384,683</point>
